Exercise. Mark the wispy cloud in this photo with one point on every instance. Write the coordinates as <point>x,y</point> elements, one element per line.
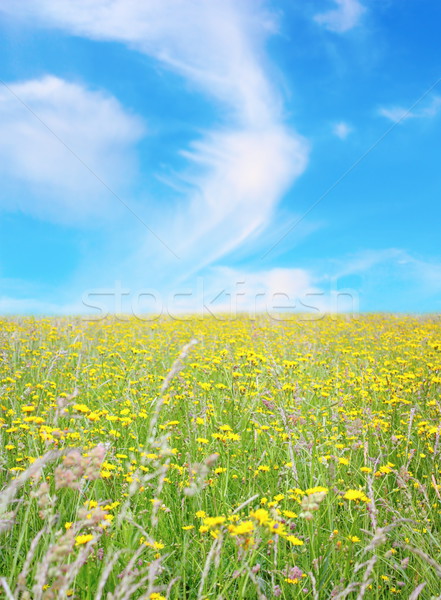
<point>400,114</point>
<point>217,45</point>
<point>415,281</point>
<point>344,17</point>
<point>272,291</point>
<point>342,130</point>
<point>41,175</point>
<point>237,172</point>
<point>269,290</point>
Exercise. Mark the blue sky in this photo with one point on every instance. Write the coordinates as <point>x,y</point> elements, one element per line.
<point>193,155</point>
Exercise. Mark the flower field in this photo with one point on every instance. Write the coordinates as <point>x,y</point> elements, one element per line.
<point>220,459</point>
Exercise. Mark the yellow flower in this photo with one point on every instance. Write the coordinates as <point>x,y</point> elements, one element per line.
<point>244,528</point>
<point>83,539</point>
<point>356,495</point>
<point>385,469</point>
<point>68,525</point>
<point>276,527</point>
<point>294,540</point>
<point>158,545</point>
<point>214,521</point>
<point>261,515</point>
<point>81,408</point>
<point>289,514</point>
<point>316,490</point>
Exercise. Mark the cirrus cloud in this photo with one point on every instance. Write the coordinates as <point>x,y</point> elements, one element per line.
<point>237,172</point>
<point>344,17</point>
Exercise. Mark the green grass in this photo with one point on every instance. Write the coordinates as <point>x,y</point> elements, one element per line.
<point>129,472</point>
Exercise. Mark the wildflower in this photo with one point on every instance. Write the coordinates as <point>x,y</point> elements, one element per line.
<point>158,545</point>
<point>83,539</point>
<point>294,573</point>
<point>261,515</point>
<point>244,528</point>
<point>356,495</point>
<point>81,408</point>
<point>385,469</point>
<point>213,521</point>
<point>317,490</point>
<point>292,539</point>
<point>276,527</point>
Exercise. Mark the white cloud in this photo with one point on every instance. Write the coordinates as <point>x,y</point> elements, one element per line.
<point>275,291</point>
<point>414,280</point>
<point>246,173</point>
<point>346,16</point>
<point>238,172</point>
<point>214,44</point>
<point>398,114</point>
<point>432,109</point>
<point>41,175</point>
<point>266,290</point>
<point>342,130</point>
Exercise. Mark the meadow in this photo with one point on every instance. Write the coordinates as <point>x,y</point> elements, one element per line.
<point>210,458</point>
